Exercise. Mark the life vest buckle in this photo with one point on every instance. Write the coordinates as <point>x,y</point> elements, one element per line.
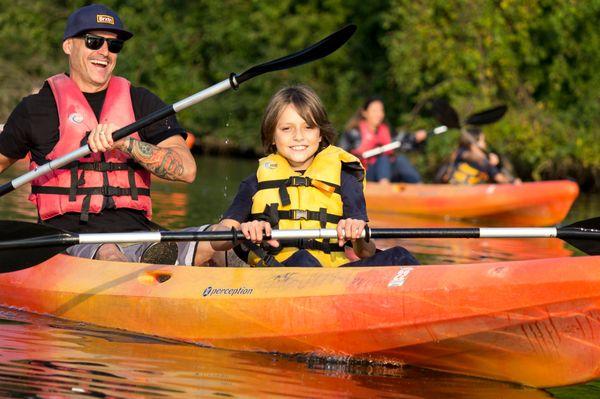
<point>297,181</point>
<point>298,214</point>
<point>110,191</point>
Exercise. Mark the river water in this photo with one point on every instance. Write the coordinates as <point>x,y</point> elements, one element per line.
<point>44,357</point>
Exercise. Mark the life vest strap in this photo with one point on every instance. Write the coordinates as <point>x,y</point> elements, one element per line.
<point>107,191</point>
<point>267,258</point>
<point>73,188</point>
<point>297,214</point>
<point>304,214</point>
<point>267,255</point>
<point>102,166</point>
<point>312,244</point>
<point>297,181</point>
<point>134,188</point>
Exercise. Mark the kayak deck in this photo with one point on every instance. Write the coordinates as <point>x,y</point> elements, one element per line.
<point>534,322</point>
<point>527,204</point>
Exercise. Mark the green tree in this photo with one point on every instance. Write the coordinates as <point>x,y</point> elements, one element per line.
<point>537,56</point>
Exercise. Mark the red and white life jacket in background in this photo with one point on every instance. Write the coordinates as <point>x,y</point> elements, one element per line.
<point>98,181</point>
<point>370,139</point>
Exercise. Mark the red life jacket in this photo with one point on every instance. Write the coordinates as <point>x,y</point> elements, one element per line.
<point>97,181</point>
<point>370,140</point>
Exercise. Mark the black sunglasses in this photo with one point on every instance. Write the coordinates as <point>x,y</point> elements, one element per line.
<point>94,42</point>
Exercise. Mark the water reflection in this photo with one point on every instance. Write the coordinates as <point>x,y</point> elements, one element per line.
<point>46,358</point>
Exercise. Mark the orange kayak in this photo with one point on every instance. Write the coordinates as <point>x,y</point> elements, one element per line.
<point>534,322</point>
<point>528,204</point>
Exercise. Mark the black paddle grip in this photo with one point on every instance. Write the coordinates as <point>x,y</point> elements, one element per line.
<point>143,122</point>
<point>6,188</point>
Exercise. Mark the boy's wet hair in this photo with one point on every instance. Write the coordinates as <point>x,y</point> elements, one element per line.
<point>309,107</point>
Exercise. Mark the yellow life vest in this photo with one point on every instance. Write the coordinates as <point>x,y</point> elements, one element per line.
<point>290,200</point>
<point>466,174</point>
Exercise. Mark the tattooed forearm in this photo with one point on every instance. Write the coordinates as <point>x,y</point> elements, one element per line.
<point>163,162</point>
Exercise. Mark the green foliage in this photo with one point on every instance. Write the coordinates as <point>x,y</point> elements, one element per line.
<point>582,391</point>
<point>537,56</point>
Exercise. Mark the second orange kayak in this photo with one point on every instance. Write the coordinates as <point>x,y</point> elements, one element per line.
<point>527,204</point>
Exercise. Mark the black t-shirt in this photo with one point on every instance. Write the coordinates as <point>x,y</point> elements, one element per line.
<point>33,127</point>
<point>351,191</point>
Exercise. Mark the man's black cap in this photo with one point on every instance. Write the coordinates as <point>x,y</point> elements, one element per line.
<point>95,17</point>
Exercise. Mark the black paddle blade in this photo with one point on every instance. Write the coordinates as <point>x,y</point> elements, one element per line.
<point>309,54</point>
<point>17,249</point>
<point>583,235</point>
<point>487,116</point>
<point>443,112</point>
<point>592,224</point>
<point>17,230</point>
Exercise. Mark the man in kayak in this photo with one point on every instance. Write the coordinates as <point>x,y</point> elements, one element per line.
<point>367,130</point>
<point>109,190</point>
<point>303,183</point>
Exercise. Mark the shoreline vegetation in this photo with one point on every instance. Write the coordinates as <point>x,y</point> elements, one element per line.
<point>537,57</point>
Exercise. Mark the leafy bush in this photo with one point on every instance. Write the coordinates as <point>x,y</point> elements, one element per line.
<point>539,57</point>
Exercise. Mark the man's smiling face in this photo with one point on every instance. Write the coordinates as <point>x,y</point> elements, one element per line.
<point>90,69</point>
